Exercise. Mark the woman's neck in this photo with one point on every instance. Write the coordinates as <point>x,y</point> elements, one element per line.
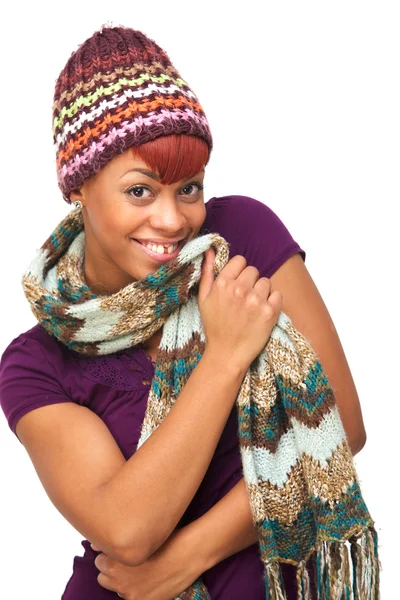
<point>152,343</point>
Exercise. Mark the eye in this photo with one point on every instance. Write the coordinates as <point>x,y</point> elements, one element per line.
<point>191,190</point>
<point>137,191</point>
<point>190,187</point>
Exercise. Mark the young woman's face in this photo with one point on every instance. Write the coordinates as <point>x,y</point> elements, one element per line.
<point>124,202</point>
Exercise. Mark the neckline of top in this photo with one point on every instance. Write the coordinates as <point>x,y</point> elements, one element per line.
<point>149,359</point>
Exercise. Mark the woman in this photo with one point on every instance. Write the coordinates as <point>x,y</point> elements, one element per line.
<point>132,145</point>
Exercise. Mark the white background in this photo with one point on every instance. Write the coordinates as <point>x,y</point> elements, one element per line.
<point>303,103</point>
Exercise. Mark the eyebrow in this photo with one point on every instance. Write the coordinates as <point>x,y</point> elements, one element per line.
<point>151,174</point>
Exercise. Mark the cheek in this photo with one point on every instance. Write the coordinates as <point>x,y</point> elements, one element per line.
<point>196,214</point>
<point>117,222</point>
<point>202,215</point>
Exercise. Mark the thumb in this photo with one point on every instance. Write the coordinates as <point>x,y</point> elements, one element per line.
<point>207,275</point>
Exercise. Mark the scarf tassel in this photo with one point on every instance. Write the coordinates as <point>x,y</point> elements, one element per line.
<point>341,572</point>
<point>366,566</point>
<point>274,587</point>
<point>345,572</point>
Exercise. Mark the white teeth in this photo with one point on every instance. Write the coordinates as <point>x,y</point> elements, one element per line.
<point>160,249</point>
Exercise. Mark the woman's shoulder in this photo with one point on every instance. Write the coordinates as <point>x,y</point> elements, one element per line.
<point>253,230</point>
<point>31,374</point>
<point>35,343</point>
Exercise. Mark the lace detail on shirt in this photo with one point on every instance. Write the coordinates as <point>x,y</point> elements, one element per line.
<point>128,370</point>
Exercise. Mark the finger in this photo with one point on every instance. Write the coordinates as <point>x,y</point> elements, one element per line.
<point>263,287</point>
<point>105,582</point>
<point>234,267</point>
<point>208,257</point>
<point>276,300</point>
<point>95,548</point>
<point>99,562</point>
<point>249,276</point>
<point>207,275</point>
<point>104,563</point>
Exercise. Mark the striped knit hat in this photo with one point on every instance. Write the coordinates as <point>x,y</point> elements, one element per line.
<point>117,90</point>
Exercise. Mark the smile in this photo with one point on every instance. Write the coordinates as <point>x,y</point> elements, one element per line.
<point>163,256</point>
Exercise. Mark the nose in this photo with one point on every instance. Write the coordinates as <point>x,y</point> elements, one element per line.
<point>167,216</point>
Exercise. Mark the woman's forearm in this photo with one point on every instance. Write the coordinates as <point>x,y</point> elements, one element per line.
<point>149,494</point>
<point>224,530</point>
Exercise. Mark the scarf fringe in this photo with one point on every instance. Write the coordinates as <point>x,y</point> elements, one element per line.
<point>274,587</point>
<point>366,566</point>
<point>342,572</point>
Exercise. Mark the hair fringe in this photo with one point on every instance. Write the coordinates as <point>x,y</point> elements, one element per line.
<point>174,157</point>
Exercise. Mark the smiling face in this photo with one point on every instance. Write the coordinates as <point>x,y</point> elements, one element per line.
<point>125,201</point>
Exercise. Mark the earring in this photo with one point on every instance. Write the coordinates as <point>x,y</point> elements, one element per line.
<point>78,204</point>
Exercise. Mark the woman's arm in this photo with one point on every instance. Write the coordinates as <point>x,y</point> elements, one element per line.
<point>187,553</point>
<point>303,303</point>
<point>129,508</point>
<point>227,527</point>
<point>217,535</point>
<point>222,531</point>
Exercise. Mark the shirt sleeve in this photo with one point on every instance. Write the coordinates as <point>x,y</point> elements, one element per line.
<point>255,231</point>
<point>27,380</point>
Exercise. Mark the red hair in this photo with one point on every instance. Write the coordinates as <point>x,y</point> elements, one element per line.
<point>174,157</point>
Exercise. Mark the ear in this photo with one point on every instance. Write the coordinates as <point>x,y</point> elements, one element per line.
<point>76,195</point>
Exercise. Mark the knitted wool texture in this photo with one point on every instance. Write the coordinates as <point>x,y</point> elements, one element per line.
<point>119,89</point>
<point>303,490</point>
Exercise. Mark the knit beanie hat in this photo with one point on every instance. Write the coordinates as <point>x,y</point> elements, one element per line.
<point>117,90</point>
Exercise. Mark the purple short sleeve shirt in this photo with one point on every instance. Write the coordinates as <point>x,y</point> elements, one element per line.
<point>37,370</point>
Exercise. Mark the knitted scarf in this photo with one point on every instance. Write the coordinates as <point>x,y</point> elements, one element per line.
<point>303,490</point>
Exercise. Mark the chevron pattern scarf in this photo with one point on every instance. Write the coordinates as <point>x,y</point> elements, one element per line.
<point>303,490</point>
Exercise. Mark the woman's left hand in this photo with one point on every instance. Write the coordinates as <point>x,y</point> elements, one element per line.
<point>166,574</point>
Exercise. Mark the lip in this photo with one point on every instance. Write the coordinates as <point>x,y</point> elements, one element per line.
<point>161,257</point>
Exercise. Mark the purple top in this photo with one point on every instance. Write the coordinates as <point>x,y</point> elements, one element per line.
<point>36,369</point>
